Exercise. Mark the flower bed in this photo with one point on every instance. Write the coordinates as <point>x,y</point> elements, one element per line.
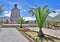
<point>34,35</point>
<point>23,29</point>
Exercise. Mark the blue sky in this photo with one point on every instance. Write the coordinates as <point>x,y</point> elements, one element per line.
<point>25,5</point>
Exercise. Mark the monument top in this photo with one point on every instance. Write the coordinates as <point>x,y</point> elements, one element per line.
<point>15,5</point>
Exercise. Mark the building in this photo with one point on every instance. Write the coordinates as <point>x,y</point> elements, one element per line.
<point>15,13</point>
<point>3,19</point>
<point>54,16</point>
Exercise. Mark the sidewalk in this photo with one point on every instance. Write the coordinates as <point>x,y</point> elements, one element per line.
<point>11,35</point>
<point>55,33</point>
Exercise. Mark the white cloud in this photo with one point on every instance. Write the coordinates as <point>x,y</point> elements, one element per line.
<point>22,9</point>
<point>7,13</point>
<point>29,18</point>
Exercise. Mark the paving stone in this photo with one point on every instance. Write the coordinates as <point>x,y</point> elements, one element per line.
<point>11,35</point>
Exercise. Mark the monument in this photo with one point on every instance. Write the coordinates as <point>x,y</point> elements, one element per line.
<point>15,14</point>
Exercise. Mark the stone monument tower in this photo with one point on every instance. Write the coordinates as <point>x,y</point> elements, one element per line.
<point>15,13</point>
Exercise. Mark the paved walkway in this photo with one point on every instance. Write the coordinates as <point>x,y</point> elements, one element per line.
<point>11,35</point>
<point>55,33</point>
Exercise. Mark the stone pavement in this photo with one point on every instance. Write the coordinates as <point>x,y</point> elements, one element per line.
<point>11,35</point>
<point>55,33</point>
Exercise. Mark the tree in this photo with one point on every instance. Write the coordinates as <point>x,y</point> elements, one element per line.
<point>55,24</point>
<point>20,21</point>
<point>1,11</point>
<point>48,23</point>
<point>40,14</point>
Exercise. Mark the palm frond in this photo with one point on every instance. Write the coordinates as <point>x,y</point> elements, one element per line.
<point>1,9</point>
<point>41,14</point>
<point>44,7</point>
<point>33,11</point>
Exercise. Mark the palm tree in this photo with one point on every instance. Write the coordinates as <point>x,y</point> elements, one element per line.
<point>55,23</point>
<point>20,21</point>
<point>1,11</point>
<point>48,23</point>
<point>40,14</point>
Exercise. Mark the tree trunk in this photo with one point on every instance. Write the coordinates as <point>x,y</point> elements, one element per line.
<point>40,34</point>
<point>21,26</point>
<point>48,27</point>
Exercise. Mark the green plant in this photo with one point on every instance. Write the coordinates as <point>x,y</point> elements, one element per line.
<point>41,14</point>
<point>20,21</point>
<point>1,22</point>
<point>34,36</point>
<point>1,11</point>
<point>48,23</point>
<point>55,24</point>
